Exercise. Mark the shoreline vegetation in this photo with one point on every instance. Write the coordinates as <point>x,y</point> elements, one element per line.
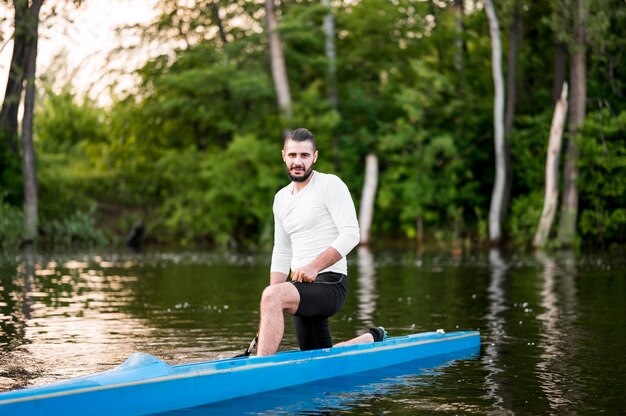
<point>192,151</point>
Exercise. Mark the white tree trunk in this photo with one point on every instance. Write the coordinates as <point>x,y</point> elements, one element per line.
<point>497,196</point>
<point>552,171</point>
<point>459,43</point>
<point>279,69</point>
<point>366,212</point>
<point>331,75</point>
<point>331,54</point>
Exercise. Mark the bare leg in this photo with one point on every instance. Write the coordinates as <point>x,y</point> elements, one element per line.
<point>361,339</point>
<point>276,299</point>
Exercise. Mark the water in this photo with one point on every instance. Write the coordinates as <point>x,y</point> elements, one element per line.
<point>552,327</point>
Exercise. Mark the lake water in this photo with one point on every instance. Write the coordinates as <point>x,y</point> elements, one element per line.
<point>553,328</point>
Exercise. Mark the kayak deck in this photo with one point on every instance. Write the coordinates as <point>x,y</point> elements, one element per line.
<point>143,384</point>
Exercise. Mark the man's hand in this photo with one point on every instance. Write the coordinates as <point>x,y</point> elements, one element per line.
<point>309,272</point>
<point>306,274</point>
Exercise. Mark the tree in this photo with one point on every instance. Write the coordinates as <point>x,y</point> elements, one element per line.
<point>368,197</point>
<point>31,207</point>
<point>552,171</point>
<point>22,74</point>
<point>277,58</point>
<point>498,195</point>
<point>421,182</point>
<point>331,55</point>
<point>578,80</point>
<point>560,69</point>
<point>218,21</point>
<point>15,82</point>
<point>515,37</point>
<point>459,43</point>
<point>10,176</point>
<point>205,115</point>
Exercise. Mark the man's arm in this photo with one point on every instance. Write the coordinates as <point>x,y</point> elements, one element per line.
<point>309,272</point>
<point>281,253</point>
<point>277,277</point>
<point>341,209</point>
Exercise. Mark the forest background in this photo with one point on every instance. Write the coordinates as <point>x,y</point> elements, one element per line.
<point>193,149</point>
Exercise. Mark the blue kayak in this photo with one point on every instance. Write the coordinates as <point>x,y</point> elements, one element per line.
<point>143,384</point>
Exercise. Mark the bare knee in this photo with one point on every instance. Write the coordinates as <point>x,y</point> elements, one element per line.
<point>281,297</point>
<point>270,298</point>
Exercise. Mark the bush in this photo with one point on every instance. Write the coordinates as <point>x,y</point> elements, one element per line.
<point>11,225</point>
<point>77,229</point>
<point>603,178</point>
<point>224,198</point>
<point>524,218</point>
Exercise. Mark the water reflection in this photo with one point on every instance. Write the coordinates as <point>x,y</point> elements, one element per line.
<point>15,305</point>
<point>556,320</point>
<point>366,292</point>
<point>16,308</point>
<point>27,277</point>
<point>60,313</point>
<point>496,322</point>
<point>71,315</point>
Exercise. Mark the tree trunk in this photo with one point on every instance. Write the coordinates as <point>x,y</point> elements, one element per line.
<point>459,43</point>
<point>15,82</point>
<point>497,197</point>
<point>511,67</point>
<point>277,57</point>
<point>419,223</point>
<point>28,149</point>
<point>218,21</point>
<point>515,38</point>
<point>552,171</point>
<point>331,56</point>
<point>569,205</point>
<point>560,67</point>
<point>370,185</point>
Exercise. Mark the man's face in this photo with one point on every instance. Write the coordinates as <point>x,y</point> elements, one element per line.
<point>299,158</point>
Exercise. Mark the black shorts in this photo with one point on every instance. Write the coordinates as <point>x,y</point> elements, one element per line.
<point>319,300</point>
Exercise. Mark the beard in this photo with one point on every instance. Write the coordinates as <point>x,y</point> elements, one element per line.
<point>307,173</point>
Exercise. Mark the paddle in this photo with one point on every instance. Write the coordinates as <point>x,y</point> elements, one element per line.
<point>248,350</point>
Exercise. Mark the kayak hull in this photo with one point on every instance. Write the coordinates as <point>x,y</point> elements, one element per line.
<point>145,384</point>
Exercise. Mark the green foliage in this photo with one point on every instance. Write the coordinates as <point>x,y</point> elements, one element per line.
<point>224,198</point>
<point>11,185</point>
<point>203,99</point>
<point>194,150</point>
<point>529,143</point>
<point>422,164</point>
<point>524,218</point>
<point>76,230</point>
<point>63,123</point>
<point>66,133</point>
<point>603,177</point>
<point>312,109</point>
<point>11,225</point>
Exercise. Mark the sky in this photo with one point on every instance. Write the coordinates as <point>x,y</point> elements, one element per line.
<point>86,35</point>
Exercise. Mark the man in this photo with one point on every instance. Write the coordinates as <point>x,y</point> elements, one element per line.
<point>315,229</point>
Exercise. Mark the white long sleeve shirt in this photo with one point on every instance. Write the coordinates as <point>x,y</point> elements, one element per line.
<point>321,215</point>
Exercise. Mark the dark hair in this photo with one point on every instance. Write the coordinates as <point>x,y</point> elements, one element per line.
<point>301,135</point>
